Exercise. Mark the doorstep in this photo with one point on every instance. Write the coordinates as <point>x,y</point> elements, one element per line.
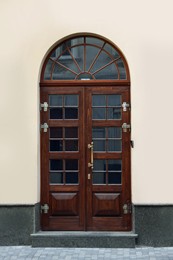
<point>84,239</point>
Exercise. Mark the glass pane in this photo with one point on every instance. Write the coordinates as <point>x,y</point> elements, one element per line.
<point>71,145</point>
<point>99,132</point>
<point>78,53</point>
<point>109,72</point>
<point>56,165</point>
<point>99,145</point>
<point>55,132</point>
<point>71,164</point>
<point>47,73</point>
<point>114,100</point>
<point>99,177</point>
<point>121,68</point>
<point>71,113</point>
<point>98,100</point>
<point>71,177</point>
<point>60,73</point>
<point>71,132</point>
<point>114,178</point>
<point>56,177</point>
<point>55,100</point>
<point>114,113</point>
<point>99,165</point>
<point>114,145</point>
<point>92,40</point>
<point>56,113</point>
<point>91,53</point>
<point>71,100</point>
<point>99,113</point>
<point>56,145</point>
<point>114,132</point>
<point>114,165</point>
<point>111,50</point>
<point>101,61</point>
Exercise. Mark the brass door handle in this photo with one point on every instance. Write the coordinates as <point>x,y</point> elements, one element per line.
<point>90,146</point>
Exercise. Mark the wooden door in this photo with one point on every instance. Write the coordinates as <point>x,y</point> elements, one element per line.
<point>108,184</point>
<point>85,186</point>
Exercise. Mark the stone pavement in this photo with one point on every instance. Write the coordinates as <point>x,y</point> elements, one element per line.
<point>27,252</point>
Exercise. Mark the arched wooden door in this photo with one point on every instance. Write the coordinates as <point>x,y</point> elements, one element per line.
<point>85,136</point>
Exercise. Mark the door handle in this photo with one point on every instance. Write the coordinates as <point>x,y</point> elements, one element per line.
<point>90,146</point>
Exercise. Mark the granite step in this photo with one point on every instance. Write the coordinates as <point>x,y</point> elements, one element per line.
<point>84,239</point>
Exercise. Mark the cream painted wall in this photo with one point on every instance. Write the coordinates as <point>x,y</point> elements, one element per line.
<point>142,30</point>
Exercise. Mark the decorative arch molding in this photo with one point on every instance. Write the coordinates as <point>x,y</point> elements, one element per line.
<point>85,56</point>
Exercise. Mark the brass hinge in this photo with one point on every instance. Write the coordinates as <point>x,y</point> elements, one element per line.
<point>44,106</point>
<point>44,127</point>
<point>127,208</point>
<point>126,127</point>
<point>125,105</point>
<point>44,208</point>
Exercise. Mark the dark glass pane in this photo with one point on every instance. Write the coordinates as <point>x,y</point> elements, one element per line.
<point>111,50</point>
<point>71,177</point>
<point>99,113</point>
<point>95,41</point>
<point>121,68</point>
<point>91,53</point>
<point>101,61</point>
<point>47,72</point>
<point>56,165</point>
<point>99,165</point>
<point>114,165</point>
<point>71,132</point>
<point>56,145</point>
<point>71,145</point>
<point>98,132</point>
<point>98,100</point>
<point>71,164</point>
<point>56,113</point>
<point>114,132</point>
<point>55,132</point>
<point>56,177</point>
<point>99,145</point>
<point>114,113</point>
<point>55,100</point>
<point>99,177</point>
<point>71,113</point>
<point>78,53</point>
<point>114,100</point>
<point>109,72</point>
<point>60,73</point>
<point>114,145</point>
<point>55,54</point>
<point>114,178</point>
<point>71,100</point>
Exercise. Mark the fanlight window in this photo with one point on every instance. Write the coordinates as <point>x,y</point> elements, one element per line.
<point>85,58</point>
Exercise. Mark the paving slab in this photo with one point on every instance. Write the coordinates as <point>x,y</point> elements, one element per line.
<point>27,252</point>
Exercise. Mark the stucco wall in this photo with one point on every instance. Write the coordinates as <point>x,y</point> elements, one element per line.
<point>142,30</point>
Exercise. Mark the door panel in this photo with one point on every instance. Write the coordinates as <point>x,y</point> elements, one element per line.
<point>108,185</point>
<point>85,158</point>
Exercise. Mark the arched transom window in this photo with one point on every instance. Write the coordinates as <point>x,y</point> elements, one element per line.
<point>85,58</point>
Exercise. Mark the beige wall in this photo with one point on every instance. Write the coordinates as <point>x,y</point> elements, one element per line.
<point>142,30</point>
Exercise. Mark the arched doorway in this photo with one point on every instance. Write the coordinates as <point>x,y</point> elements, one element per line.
<point>85,136</point>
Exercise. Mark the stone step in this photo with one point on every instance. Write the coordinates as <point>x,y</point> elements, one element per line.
<point>84,239</point>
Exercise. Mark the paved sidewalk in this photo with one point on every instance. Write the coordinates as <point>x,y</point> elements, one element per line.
<point>27,252</point>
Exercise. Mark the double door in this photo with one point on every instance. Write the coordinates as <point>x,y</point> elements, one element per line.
<point>85,158</point>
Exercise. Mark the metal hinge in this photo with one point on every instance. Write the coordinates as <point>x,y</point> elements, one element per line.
<point>44,106</point>
<point>44,208</point>
<point>125,105</point>
<point>44,126</point>
<point>127,208</point>
<point>125,127</point>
